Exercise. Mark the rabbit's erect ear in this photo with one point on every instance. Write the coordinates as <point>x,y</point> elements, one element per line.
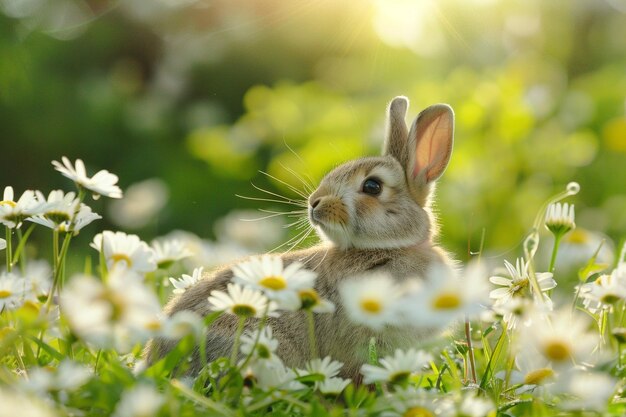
<point>397,132</point>
<point>430,144</point>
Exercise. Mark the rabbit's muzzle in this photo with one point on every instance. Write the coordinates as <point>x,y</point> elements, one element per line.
<point>328,211</point>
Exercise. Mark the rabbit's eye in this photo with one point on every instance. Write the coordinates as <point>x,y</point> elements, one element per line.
<point>372,186</point>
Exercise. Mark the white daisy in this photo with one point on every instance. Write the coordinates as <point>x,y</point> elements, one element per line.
<point>186,281</point>
<point>605,291</point>
<point>68,376</point>
<point>12,291</point>
<point>264,348</point>
<point>60,209</point>
<point>140,401</point>
<point>181,324</point>
<point>473,406</point>
<point>102,183</point>
<point>516,310</point>
<point>125,250</point>
<point>15,403</point>
<point>518,284</point>
<point>241,301</point>
<point>166,252</point>
<point>446,296</point>
<point>560,218</point>
<point>561,338</point>
<point>532,370</point>
<point>38,276</point>
<point>274,375</point>
<point>311,300</point>
<point>280,284</point>
<point>371,300</point>
<point>119,313</point>
<point>3,244</point>
<point>586,390</point>
<point>13,213</point>
<point>321,369</point>
<point>397,368</point>
<point>411,401</point>
<point>333,386</point>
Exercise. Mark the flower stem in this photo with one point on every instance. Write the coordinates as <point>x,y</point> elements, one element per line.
<point>9,254</point>
<point>20,246</point>
<point>555,250</point>
<point>470,349</point>
<point>256,339</point>
<point>233,354</point>
<point>312,344</point>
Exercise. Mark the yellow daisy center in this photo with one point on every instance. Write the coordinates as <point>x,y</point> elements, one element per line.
<point>153,325</point>
<point>309,298</point>
<point>8,203</point>
<point>243,310</point>
<point>274,282</point>
<point>610,298</point>
<point>557,351</point>
<point>538,376</point>
<point>371,305</point>
<point>446,301</point>
<point>418,412</point>
<point>122,257</point>
<point>578,236</point>
<point>5,293</point>
<point>399,377</point>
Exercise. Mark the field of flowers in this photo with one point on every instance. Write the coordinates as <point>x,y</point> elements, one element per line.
<point>512,341</point>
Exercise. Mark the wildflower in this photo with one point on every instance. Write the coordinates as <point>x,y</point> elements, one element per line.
<point>321,369</point>
<point>518,283</point>
<point>119,313</point>
<point>371,301</point>
<point>585,390</point>
<point>241,301</point>
<point>63,212</point>
<point>311,300</point>
<point>102,183</point>
<point>181,324</point>
<point>266,273</point>
<point>515,310</point>
<point>274,375</point>
<point>3,244</point>
<point>169,251</point>
<point>473,406</point>
<point>411,401</point>
<point>446,296</point>
<point>605,291</point>
<point>532,370</point>
<point>16,403</point>
<point>38,276</point>
<point>140,401</point>
<point>560,218</point>
<point>264,348</point>
<point>141,204</point>
<point>68,376</point>
<point>578,246</point>
<point>397,368</point>
<point>12,291</point>
<point>13,213</point>
<point>186,281</point>
<point>333,386</point>
<point>560,338</point>
<point>125,250</point>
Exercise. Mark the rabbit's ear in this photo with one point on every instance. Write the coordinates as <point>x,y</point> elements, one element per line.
<point>397,131</point>
<point>430,144</point>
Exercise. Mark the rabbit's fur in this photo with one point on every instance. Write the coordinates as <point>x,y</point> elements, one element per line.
<point>391,232</point>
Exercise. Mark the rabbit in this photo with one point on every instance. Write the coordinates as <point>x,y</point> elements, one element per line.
<point>373,214</point>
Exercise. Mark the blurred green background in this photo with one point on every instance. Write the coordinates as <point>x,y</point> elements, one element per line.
<point>203,94</point>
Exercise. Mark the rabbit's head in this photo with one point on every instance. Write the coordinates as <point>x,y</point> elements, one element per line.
<point>383,202</point>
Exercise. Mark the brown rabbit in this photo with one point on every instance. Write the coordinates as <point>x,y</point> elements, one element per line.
<point>373,214</point>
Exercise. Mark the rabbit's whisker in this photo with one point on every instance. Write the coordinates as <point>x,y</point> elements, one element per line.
<point>291,187</point>
<point>288,242</point>
<point>308,185</point>
<point>270,200</point>
<point>302,201</point>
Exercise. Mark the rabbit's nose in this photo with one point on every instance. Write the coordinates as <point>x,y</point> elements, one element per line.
<point>316,202</point>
